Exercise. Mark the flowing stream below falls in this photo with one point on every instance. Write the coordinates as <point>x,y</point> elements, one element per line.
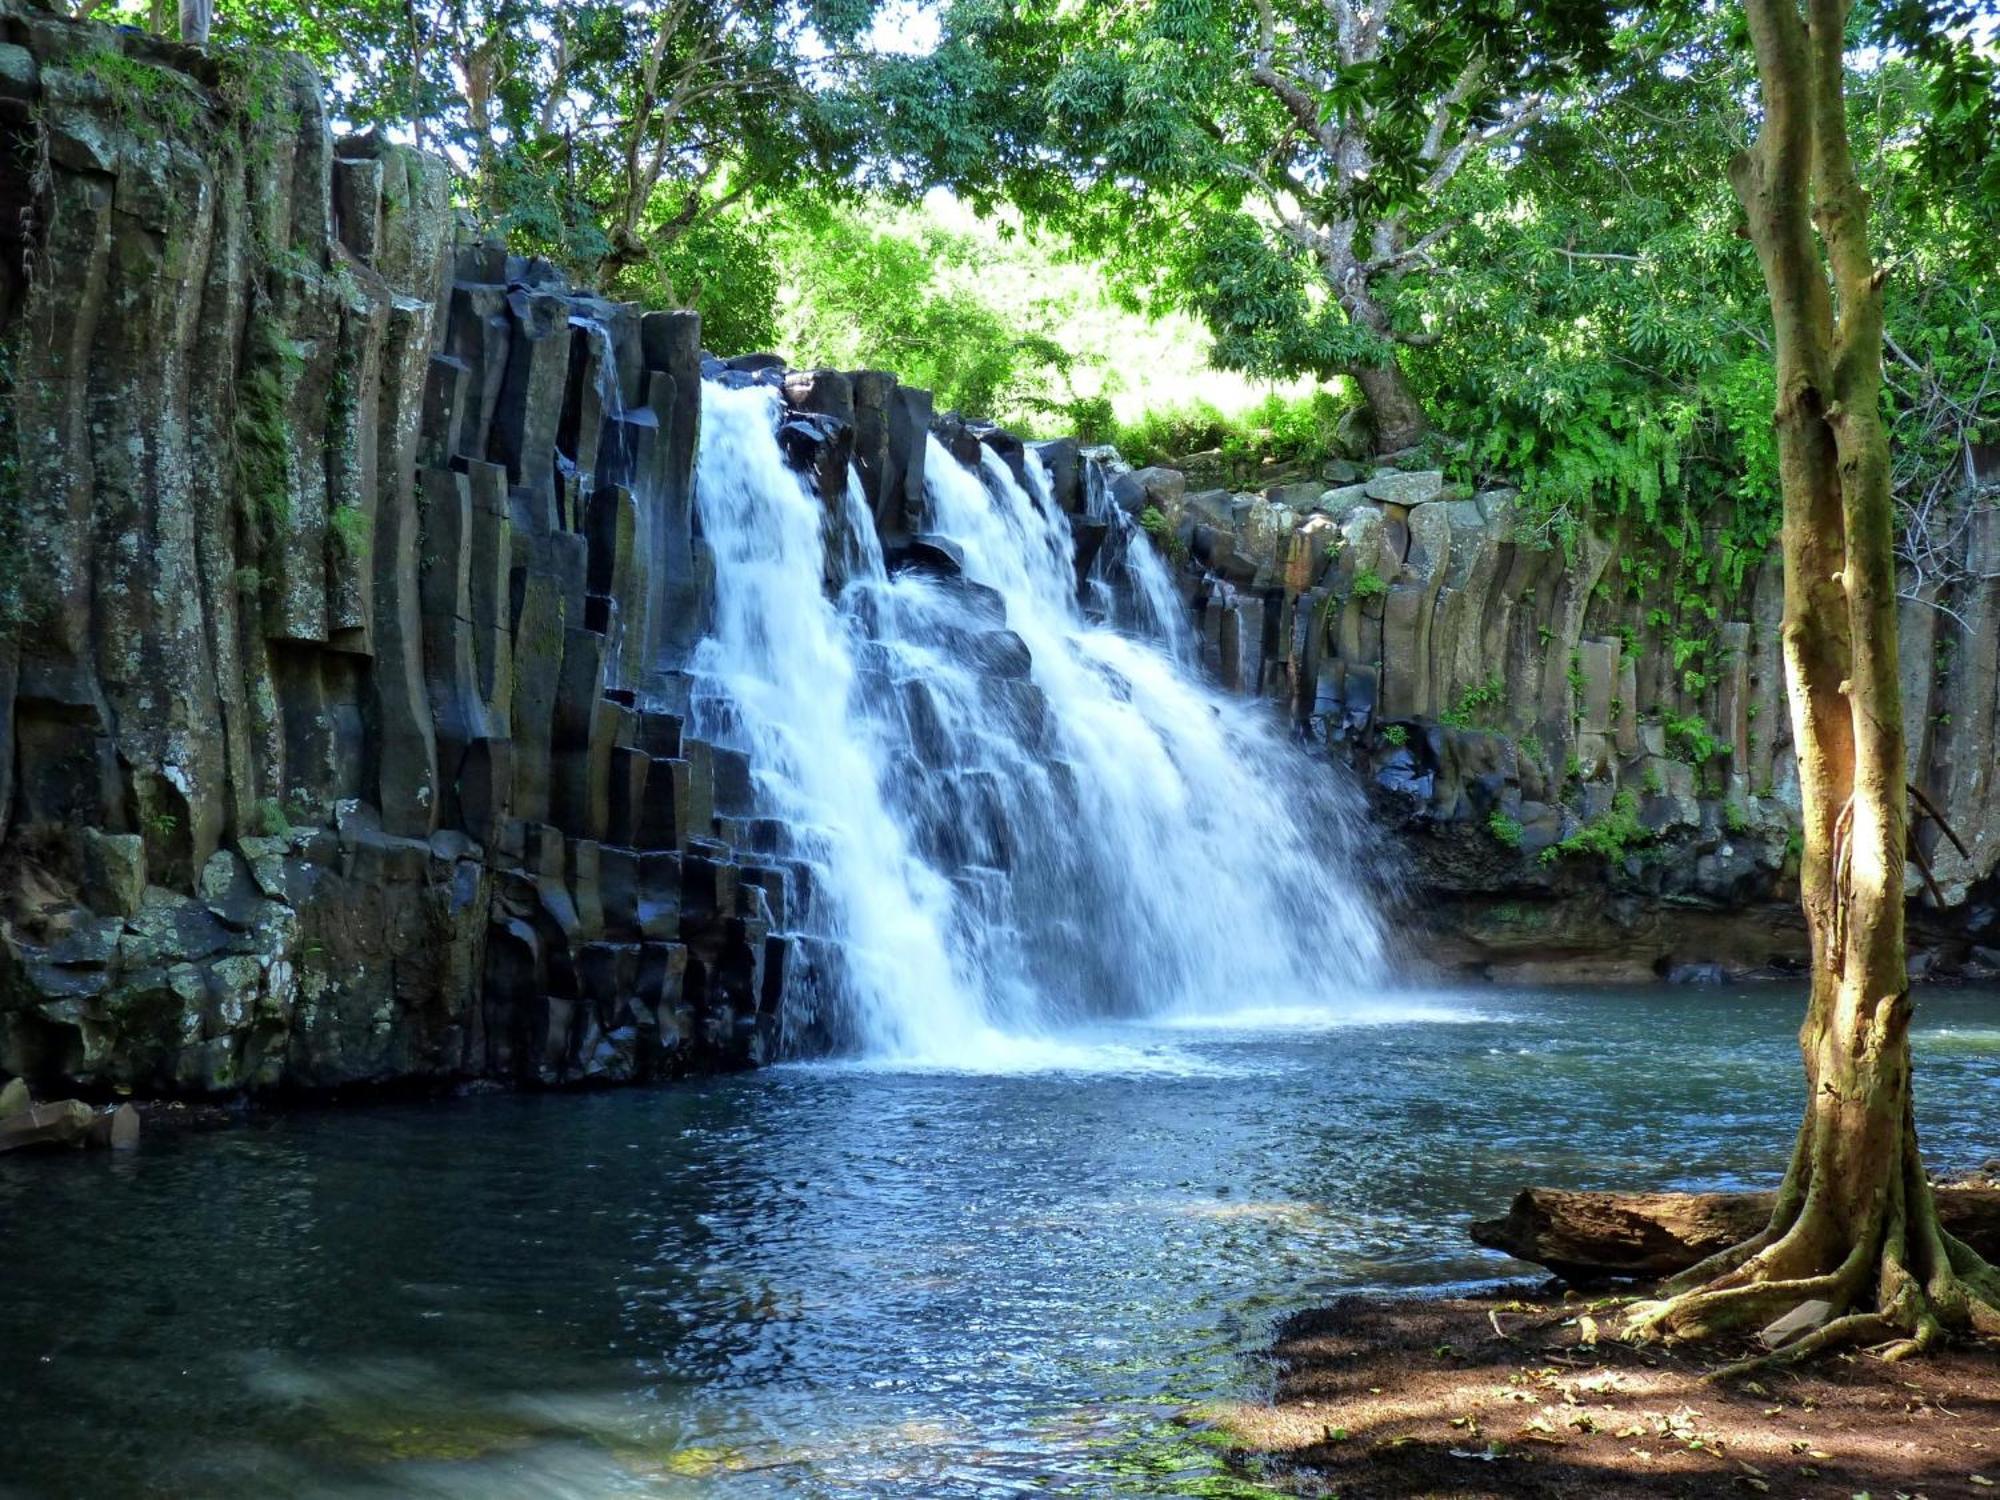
<point>848,1279</point>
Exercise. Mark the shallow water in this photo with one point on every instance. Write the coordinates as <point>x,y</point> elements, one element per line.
<point>848,1280</point>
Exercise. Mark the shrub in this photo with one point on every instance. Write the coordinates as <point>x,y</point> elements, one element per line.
<point>1476,704</point>
<point>1612,836</point>
<point>1153,521</point>
<point>1691,733</point>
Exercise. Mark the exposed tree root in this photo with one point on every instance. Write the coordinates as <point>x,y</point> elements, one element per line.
<point>1852,1329</point>
<point>1903,1283</point>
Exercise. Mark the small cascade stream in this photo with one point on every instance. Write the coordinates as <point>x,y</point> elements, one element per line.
<point>1014,818</point>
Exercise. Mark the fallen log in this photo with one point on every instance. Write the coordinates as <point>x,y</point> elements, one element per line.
<point>1589,1237</point>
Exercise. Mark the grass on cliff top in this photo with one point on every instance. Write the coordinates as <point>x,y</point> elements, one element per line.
<point>143,93</point>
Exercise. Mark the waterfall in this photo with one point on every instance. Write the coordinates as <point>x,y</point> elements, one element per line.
<point>1014,818</point>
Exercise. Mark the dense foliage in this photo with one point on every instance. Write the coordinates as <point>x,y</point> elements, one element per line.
<point>604,134</point>
<point>1537,234</point>
<point>1604,326</point>
<point>1274,166</point>
<point>1507,222</point>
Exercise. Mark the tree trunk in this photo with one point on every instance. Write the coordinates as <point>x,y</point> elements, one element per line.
<point>1393,406</point>
<point>1855,1222</point>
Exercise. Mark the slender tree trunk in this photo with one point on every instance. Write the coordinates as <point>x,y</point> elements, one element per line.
<point>1855,1224</point>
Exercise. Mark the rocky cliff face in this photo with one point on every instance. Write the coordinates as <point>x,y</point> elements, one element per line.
<point>1587,758</point>
<point>351,572</point>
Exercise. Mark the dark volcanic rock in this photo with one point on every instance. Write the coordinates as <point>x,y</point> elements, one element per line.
<point>344,742</point>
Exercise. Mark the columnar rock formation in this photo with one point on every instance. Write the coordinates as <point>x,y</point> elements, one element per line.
<point>351,572</point>
<point>1506,695</point>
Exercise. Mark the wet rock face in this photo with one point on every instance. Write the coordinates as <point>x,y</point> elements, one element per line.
<point>353,567</point>
<point>1542,729</point>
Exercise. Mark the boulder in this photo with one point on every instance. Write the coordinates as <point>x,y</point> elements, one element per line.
<point>116,1129</point>
<point>114,871</point>
<point>1795,1324</point>
<point>1393,487</point>
<point>929,553</point>
<point>63,1123</point>
<point>1158,488</point>
<point>1338,502</point>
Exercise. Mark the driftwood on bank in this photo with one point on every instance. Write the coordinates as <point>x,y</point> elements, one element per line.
<point>1607,1236</point>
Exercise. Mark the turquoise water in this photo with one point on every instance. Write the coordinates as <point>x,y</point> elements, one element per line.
<point>843,1281</point>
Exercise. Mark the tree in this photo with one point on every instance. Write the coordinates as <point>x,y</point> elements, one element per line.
<point>1271,165</point>
<point>598,134</point>
<point>942,307</point>
<point>1856,1223</point>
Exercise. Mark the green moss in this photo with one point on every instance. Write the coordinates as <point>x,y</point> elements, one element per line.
<point>1505,830</point>
<point>263,436</point>
<point>251,80</point>
<point>1153,521</point>
<point>353,531</point>
<point>1368,584</point>
<point>268,818</point>
<point>1396,735</point>
<point>1328,609</point>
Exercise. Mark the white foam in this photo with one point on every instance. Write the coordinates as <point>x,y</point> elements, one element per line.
<point>1328,1015</point>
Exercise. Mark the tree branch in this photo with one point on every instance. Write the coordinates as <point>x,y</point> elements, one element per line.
<point>1397,257</point>
<point>1519,116</point>
<point>1293,95</point>
<point>1460,91</point>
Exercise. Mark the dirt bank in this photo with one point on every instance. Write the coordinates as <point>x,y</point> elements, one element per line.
<point>1518,1394</point>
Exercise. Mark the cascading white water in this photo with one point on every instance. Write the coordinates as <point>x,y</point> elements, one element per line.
<point>1017,818</point>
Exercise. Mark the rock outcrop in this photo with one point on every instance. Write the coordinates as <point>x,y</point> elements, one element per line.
<point>1585,753</point>
<point>351,574</point>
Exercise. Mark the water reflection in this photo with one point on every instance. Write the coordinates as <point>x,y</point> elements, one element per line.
<point>837,1281</point>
